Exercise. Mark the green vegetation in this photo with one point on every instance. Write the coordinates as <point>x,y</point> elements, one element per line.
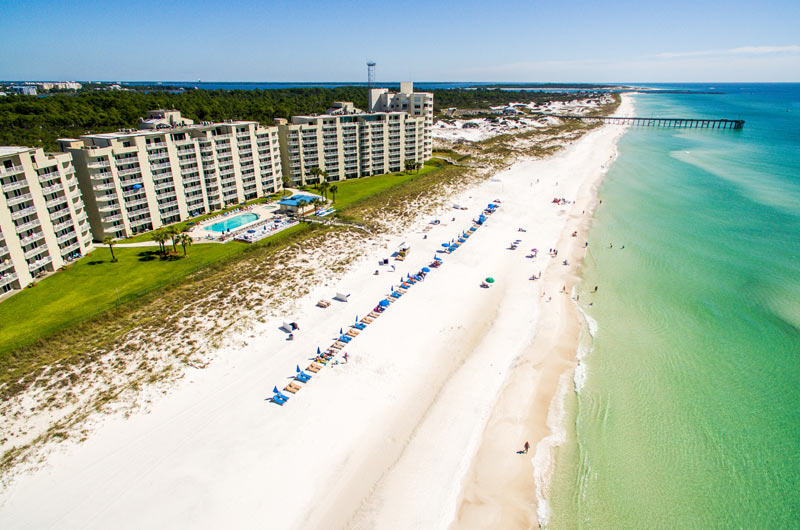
<point>95,284</point>
<point>353,190</point>
<point>38,122</point>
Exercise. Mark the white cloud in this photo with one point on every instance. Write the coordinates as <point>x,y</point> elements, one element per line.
<point>741,51</point>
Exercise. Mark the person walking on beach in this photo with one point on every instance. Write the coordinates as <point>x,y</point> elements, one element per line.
<point>346,357</point>
<point>524,448</point>
<point>595,288</point>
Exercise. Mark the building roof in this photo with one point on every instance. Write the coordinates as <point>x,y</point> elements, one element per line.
<point>13,150</point>
<point>295,200</point>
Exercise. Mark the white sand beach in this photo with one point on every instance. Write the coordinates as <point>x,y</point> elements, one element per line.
<point>417,430</point>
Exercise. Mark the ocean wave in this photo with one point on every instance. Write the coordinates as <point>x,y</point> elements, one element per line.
<point>592,323</point>
<point>544,457</point>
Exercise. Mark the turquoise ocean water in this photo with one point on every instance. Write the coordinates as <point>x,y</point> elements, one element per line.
<point>689,412</point>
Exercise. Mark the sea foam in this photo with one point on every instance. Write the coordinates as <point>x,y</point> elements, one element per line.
<point>544,457</point>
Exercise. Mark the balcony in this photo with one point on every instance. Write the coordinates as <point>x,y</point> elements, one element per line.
<point>109,208</point>
<point>35,251</point>
<point>66,237</point>
<point>103,187</point>
<point>158,156</point>
<point>58,214</point>
<point>130,171</point>
<point>70,248</point>
<point>112,218</point>
<point>135,202</point>
<point>31,239</point>
<point>222,137</point>
<point>159,166</point>
<point>7,278</point>
<point>13,170</point>
<point>62,226</point>
<point>30,210</point>
<point>44,177</point>
<point>61,199</point>
<point>36,265</point>
<point>101,176</point>
<point>11,186</point>
<point>12,201</point>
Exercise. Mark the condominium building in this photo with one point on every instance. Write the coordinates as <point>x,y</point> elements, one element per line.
<point>347,143</point>
<point>414,103</point>
<point>43,224</point>
<point>171,170</point>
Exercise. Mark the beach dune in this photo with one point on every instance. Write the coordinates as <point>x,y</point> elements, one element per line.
<point>419,429</point>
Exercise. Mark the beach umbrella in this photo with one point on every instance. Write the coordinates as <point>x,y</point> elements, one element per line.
<point>340,331</point>
<point>297,368</point>
<point>356,319</point>
<point>437,258</point>
<point>489,280</point>
<point>318,350</point>
<point>425,269</point>
<point>445,245</point>
<point>275,389</point>
<point>384,303</point>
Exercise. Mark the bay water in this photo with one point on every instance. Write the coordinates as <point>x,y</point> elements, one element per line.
<point>686,410</point>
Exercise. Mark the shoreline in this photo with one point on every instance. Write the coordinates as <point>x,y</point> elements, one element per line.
<point>510,495</point>
<point>380,428</point>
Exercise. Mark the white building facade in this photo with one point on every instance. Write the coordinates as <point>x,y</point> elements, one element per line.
<point>43,221</point>
<point>349,143</point>
<point>139,180</point>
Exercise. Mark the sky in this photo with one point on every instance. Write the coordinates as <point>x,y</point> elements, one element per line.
<point>467,40</point>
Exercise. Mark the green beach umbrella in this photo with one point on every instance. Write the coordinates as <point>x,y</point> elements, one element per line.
<point>489,280</point>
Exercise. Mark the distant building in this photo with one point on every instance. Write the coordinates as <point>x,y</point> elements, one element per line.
<point>134,181</point>
<point>25,90</point>
<point>42,217</point>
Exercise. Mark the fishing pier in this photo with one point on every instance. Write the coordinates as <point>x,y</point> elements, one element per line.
<point>684,123</point>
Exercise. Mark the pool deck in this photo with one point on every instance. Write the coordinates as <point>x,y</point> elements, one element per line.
<point>201,232</point>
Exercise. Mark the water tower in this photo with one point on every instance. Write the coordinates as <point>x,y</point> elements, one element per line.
<point>370,74</point>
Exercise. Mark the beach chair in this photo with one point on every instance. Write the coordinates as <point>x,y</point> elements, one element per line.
<point>367,320</point>
<point>359,326</point>
<point>345,339</point>
<point>342,297</point>
<point>293,388</point>
<point>313,368</point>
<point>279,398</point>
<point>374,314</point>
<point>352,333</point>
<point>302,377</point>
<point>323,303</point>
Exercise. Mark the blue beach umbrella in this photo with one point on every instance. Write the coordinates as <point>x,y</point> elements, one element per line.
<point>275,389</point>
<point>384,303</point>
<point>425,269</point>
<point>340,331</point>
<point>445,245</point>
<point>356,319</point>
<point>318,350</point>
<point>297,368</point>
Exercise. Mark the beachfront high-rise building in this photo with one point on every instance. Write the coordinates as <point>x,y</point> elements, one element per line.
<point>414,103</point>
<point>348,143</point>
<point>43,224</point>
<point>171,170</point>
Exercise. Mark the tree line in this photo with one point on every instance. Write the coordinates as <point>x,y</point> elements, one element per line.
<point>40,121</point>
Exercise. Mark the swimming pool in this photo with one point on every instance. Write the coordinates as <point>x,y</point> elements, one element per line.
<point>233,222</point>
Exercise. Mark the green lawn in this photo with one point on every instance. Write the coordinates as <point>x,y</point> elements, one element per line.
<point>354,190</point>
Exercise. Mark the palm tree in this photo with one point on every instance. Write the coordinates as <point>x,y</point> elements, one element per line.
<point>160,237</point>
<point>334,190</point>
<point>287,182</point>
<point>173,233</point>
<point>108,240</point>
<point>323,188</point>
<point>417,166</point>
<point>185,240</point>
<point>410,165</point>
<point>317,173</point>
